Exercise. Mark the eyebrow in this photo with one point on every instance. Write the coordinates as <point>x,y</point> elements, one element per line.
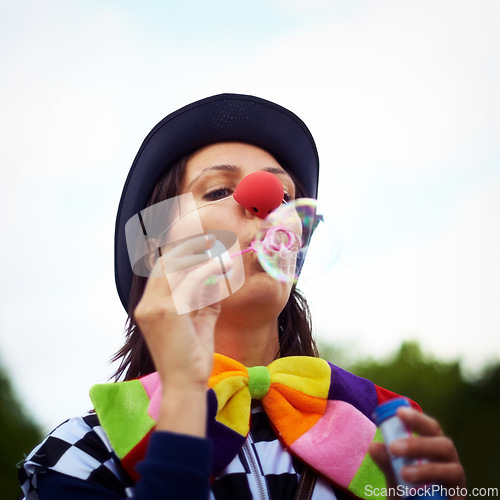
<point>233,168</point>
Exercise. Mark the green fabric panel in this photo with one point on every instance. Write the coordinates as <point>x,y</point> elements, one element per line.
<point>122,408</point>
<point>259,380</point>
<point>368,474</point>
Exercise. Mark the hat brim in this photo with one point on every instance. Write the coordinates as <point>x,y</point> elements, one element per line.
<point>220,118</point>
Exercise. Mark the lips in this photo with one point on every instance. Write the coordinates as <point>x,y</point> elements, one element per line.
<point>251,256</point>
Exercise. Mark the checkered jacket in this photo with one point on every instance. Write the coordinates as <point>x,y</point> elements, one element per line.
<point>80,448</point>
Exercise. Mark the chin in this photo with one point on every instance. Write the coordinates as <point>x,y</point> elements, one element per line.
<point>259,291</point>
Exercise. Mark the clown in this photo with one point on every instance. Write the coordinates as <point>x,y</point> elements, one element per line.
<point>222,394</point>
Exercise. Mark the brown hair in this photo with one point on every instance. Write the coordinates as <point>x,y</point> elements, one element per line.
<point>294,321</point>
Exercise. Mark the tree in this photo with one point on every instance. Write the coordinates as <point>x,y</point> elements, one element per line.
<point>468,411</point>
<point>19,435</point>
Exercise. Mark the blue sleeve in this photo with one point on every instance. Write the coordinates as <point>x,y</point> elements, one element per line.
<point>56,485</point>
<point>176,466</point>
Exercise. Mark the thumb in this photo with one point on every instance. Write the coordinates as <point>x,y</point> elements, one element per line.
<point>381,457</point>
<point>206,318</point>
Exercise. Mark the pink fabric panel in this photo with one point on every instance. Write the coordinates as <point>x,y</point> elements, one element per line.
<point>348,433</point>
<point>152,386</point>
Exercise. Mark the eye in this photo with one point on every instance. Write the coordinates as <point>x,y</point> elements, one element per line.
<point>286,197</point>
<point>218,194</point>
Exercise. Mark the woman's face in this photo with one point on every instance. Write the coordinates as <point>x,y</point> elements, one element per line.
<point>213,173</point>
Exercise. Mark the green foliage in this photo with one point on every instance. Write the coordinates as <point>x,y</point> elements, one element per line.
<point>19,436</point>
<point>469,412</point>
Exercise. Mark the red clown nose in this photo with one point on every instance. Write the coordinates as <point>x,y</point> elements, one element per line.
<point>260,193</point>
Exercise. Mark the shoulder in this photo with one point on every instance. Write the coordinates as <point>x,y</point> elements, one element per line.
<point>78,448</point>
<point>78,437</point>
<point>360,392</point>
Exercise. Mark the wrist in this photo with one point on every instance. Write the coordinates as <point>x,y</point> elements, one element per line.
<point>179,385</point>
<point>183,410</point>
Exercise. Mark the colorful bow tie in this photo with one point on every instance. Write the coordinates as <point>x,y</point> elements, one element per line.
<point>321,414</point>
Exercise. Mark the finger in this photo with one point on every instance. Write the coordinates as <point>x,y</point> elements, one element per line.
<point>172,265</point>
<point>196,277</point>
<point>189,269</point>
<point>205,319</point>
<point>199,287</point>
<point>447,474</point>
<point>420,422</point>
<point>168,263</point>
<point>436,448</point>
<point>197,244</point>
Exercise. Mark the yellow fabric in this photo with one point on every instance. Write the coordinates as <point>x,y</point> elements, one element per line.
<point>298,386</point>
<point>310,376</point>
<point>233,401</point>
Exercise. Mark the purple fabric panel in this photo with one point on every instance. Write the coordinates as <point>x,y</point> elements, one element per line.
<point>359,392</point>
<point>225,442</point>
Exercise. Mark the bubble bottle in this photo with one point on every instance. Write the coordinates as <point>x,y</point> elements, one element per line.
<point>393,428</point>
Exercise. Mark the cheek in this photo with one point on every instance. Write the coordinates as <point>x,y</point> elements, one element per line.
<point>184,229</point>
<point>222,218</point>
<point>180,218</point>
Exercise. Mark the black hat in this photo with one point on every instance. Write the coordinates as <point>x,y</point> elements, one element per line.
<point>220,118</point>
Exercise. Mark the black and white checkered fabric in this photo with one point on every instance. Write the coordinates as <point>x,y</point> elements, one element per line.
<point>263,469</point>
<point>78,448</point>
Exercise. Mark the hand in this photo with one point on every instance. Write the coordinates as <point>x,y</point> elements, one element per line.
<point>181,345</point>
<point>443,465</point>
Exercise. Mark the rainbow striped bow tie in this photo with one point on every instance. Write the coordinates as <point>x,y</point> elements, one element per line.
<point>321,414</point>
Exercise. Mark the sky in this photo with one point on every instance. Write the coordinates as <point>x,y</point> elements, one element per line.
<point>402,100</point>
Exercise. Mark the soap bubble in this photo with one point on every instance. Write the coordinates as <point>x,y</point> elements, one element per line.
<point>291,232</point>
<point>285,237</point>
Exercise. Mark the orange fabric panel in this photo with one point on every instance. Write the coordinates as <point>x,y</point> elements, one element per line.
<point>293,412</point>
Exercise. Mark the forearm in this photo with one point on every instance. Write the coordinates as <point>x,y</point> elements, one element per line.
<point>175,466</point>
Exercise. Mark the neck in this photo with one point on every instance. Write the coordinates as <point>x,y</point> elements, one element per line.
<point>252,344</point>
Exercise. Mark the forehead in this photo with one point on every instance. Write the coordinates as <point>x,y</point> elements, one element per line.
<point>239,154</point>
<point>232,160</point>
